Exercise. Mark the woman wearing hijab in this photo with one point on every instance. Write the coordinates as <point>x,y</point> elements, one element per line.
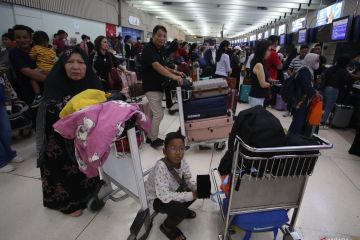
<point>303,79</point>
<point>65,188</point>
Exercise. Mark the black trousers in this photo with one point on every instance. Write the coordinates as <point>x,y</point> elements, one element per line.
<point>176,211</point>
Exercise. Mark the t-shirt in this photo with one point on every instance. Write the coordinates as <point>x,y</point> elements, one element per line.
<point>22,84</point>
<point>296,64</point>
<point>337,78</point>
<point>60,44</point>
<point>103,63</point>
<point>45,57</point>
<point>248,63</point>
<point>223,65</point>
<point>152,80</point>
<point>272,63</point>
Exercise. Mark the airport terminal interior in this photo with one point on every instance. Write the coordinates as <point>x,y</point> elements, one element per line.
<point>199,120</point>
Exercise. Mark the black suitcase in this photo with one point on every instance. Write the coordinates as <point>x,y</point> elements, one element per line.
<point>205,107</point>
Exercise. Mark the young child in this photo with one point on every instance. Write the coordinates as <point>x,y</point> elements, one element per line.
<point>45,58</point>
<point>170,187</point>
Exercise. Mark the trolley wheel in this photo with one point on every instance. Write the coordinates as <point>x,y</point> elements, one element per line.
<point>25,133</point>
<point>219,146</point>
<point>95,204</point>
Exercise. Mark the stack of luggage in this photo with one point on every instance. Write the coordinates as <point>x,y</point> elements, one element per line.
<point>206,113</point>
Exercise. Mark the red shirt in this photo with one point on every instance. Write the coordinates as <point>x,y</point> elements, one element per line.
<point>60,44</point>
<point>272,63</point>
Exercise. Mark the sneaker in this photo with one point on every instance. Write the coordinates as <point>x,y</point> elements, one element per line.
<point>36,101</point>
<point>324,127</point>
<point>17,159</point>
<point>157,143</point>
<point>7,168</point>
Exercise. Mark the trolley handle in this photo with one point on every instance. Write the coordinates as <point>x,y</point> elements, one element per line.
<point>324,144</point>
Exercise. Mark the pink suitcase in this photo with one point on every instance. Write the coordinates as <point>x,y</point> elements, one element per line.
<point>209,128</point>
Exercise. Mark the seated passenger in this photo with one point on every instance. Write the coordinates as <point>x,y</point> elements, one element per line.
<point>170,187</point>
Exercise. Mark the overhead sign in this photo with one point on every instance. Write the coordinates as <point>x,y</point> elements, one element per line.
<point>134,21</point>
<point>266,34</point>
<point>272,32</point>
<point>260,36</point>
<point>298,24</point>
<point>328,14</point>
<point>282,29</point>
<point>252,38</point>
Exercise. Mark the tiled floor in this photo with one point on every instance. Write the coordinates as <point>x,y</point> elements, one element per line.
<point>331,206</point>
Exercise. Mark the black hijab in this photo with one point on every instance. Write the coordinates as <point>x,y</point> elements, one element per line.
<point>58,86</point>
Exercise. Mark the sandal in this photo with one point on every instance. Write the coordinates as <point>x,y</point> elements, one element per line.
<point>172,233</point>
<point>190,214</point>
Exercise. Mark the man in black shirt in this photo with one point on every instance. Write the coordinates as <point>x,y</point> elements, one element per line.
<point>23,65</point>
<point>155,74</point>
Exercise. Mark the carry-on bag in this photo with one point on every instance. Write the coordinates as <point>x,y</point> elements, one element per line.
<point>232,100</point>
<point>205,107</point>
<point>280,104</point>
<point>210,88</point>
<point>342,116</point>
<point>244,93</point>
<point>209,128</point>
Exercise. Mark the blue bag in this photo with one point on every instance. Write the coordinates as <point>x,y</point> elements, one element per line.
<point>259,221</point>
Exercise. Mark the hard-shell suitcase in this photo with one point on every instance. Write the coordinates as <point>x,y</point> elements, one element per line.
<point>205,107</point>
<point>244,93</point>
<point>232,100</point>
<point>280,104</point>
<point>210,88</point>
<point>209,128</point>
<point>342,116</point>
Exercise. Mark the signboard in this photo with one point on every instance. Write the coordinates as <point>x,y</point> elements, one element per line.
<point>266,34</point>
<point>272,32</point>
<point>134,21</point>
<point>328,14</point>
<point>282,29</point>
<point>252,38</point>
<point>260,36</point>
<point>302,36</point>
<point>298,24</point>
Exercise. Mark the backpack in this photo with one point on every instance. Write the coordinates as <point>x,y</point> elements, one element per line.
<point>292,90</point>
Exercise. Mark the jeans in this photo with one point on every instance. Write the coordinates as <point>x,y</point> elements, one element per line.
<point>330,96</point>
<point>176,211</point>
<point>256,101</point>
<point>157,113</point>
<point>299,120</point>
<point>6,153</point>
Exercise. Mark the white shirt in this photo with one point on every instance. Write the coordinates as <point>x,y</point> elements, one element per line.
<point>223,67</point>
<point>162,185</point>
<point>213,52</point>
<point>251,57</point>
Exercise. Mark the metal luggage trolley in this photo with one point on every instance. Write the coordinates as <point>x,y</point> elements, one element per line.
<point>265,179</point>
<point>124,171</point>
<point>219,144</point>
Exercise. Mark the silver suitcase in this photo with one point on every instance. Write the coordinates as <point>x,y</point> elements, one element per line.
<point>342,116</point>
<point>210,88</point>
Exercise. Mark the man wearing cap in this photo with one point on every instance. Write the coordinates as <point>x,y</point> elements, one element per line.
<point>236,65</point>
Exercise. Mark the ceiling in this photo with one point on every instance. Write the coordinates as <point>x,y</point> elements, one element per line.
<point>237,17</point>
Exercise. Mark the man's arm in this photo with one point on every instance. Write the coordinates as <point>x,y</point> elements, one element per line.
<point>31,73</point>
<point>173,71</point>
<point>166,73</point>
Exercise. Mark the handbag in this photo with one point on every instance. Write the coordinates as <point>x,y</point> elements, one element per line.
<point>315,112</point>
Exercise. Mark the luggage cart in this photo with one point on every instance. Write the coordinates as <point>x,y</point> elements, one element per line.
<point>219,144</point>
<point>279,176</point>
<point>124,171</point>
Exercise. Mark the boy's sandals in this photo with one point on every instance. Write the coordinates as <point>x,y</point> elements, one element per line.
<point>190,214</point>
<point>172,233</point>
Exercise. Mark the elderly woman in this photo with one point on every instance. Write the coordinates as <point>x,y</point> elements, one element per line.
<point>65,188</point>
<point>303,79</point>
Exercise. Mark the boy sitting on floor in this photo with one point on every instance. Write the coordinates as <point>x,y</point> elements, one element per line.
<point>170,188</point>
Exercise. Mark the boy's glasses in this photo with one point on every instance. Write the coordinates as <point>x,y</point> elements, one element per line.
<point>176,150</point>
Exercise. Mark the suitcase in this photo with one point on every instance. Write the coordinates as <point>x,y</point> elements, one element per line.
<point>244,93</point>
<point>280,104</point>
<point>209,128</point>
<point>232,100</point>
<point>210,88</point>
<point>205,107</point>
<point>342,116</point>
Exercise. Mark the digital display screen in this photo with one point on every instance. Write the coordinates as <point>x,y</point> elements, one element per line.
<point>259,36</point>
<point>282,39</point>
<point>282,29</point>
<point>302,36</point>
<point>252,38</point>
<point>339,30</point>
<point>328,14</point>
<point>272,32</point>
<point>298,24</point>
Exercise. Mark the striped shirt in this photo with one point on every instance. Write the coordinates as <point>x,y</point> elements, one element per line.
<point>296,64</point>
<point>45,57</point>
